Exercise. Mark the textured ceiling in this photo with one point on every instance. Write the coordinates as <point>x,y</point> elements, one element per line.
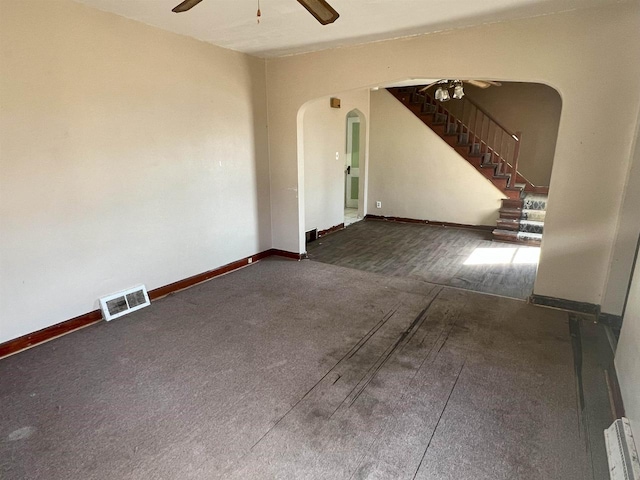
<point>287,28</point>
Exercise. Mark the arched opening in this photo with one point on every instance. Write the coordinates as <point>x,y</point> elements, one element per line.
<point>462,177</point>
<point>332,162</point>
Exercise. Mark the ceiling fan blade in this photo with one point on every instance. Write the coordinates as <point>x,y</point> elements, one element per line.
<point>320,9</point>
<point>478,83</point>
<point>484,83</point>
<point>186,5</point>
<point>424,89</point>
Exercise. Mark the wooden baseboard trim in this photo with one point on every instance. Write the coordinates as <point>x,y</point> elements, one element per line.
<point>486,228</point>
<point>286,254</point>
<point>613,321</point>
<point>54,331</point>
<point>335,228</point>
<point>563,304</point>
<point>30,340</point>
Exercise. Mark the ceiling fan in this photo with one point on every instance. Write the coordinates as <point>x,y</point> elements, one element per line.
<point>320,9</point>
<point>442,92</point>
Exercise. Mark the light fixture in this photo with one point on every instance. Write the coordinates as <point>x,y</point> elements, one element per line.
<point>458,91</point>
<point>444,86</point>
<point>442,94</point>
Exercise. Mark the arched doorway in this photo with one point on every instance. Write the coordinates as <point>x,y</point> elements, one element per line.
<point>332,152</point>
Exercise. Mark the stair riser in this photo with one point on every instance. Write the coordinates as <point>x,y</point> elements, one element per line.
<point>501,183</point>
<point>512,203</point>
<point>508,224</point>
<point>530,228</point>
<point>510,214</point>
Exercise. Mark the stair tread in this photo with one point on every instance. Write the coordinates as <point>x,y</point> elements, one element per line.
<point>517,234</point>
<point>532,222</point>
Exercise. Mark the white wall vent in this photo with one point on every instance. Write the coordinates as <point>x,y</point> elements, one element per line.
<point>121,303</point>
<point>621,451</point>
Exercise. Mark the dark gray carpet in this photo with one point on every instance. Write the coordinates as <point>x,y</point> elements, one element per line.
<point>299,370</point>
<point>430,253</point>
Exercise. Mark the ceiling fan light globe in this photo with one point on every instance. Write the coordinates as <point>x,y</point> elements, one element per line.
<point>439,93</point>
<point>458,92</point>
<point>445,97</point>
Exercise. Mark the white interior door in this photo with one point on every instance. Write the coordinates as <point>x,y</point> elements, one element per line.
<point>352,167</point>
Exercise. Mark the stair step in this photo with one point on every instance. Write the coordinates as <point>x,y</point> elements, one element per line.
<point>529,236</point>
<point>499,182</point>
<point>531,226</point>
<point>511,224</point>
<point>534,202</point>
<point>512,193</point>
<point>521,238</point>
<point>486,159</point>
<point>510,213</point>
<point>537,215</point>
<point>512,203</point>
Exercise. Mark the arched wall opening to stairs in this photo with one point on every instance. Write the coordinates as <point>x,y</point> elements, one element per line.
<point>506,130</point>
<point>425,179</point>
<point>582,222</point>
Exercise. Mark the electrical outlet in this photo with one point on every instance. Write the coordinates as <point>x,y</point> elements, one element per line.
<point>378,204</point>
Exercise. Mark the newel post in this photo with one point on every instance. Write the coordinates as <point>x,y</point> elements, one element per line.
<point>516,155</point>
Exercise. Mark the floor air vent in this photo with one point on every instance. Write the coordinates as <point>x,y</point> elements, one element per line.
<point>121,303</point>
<point>621,451</point>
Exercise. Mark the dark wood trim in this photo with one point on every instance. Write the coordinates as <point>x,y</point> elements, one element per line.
<point>286,254</point>
<point>54,331</point>
<point>615,395</point>
<point>165,290</point>
<point>485,228</point>
<point>613,321</point>
<point>41,336</point>
<point>335,228</point>
<point>563,304</point>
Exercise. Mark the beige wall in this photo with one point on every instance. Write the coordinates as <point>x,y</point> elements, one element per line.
<point>569,51</point>
<point>416,174</point>
<point>534,110</point>
<point>323,135</point>
<point>627,232</point>
<point>628,356</point>
<point>128,155</point>
<point>628,351</point>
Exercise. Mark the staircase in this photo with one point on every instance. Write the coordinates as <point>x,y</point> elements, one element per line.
<point>492,149</point>
<point>522,220</point>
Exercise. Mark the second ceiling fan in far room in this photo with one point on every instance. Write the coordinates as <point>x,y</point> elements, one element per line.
<point>442,92</point>
<point>320,9</point>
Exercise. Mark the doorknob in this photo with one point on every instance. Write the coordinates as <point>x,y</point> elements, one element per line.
<point>348,169</point>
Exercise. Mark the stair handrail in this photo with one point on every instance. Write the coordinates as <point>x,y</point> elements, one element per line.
<point>492,118</point>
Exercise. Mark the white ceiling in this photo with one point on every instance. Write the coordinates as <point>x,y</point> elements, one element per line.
<point>287,28</point>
